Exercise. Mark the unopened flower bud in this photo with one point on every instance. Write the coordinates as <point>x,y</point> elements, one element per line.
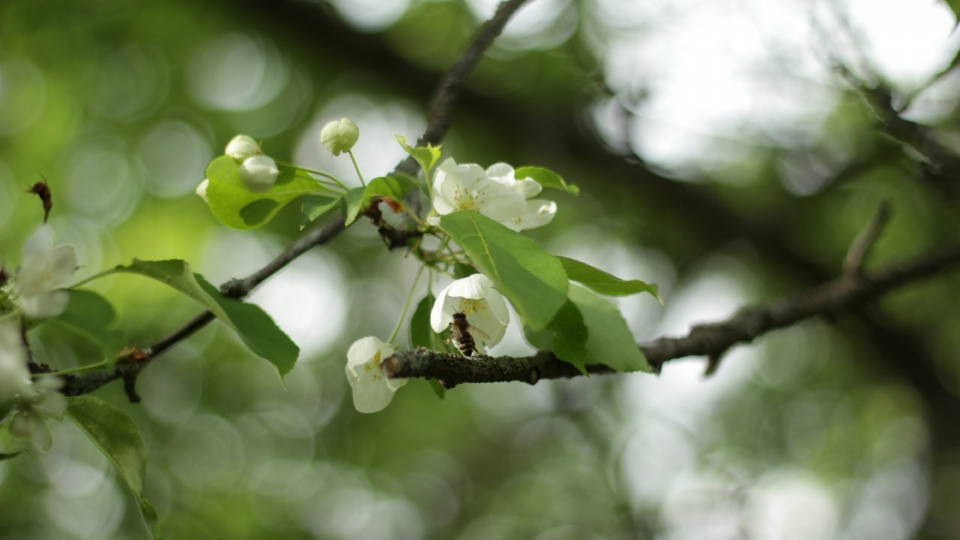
<point>242,147</point>
<point>258,173</point>
<point>339,136</point>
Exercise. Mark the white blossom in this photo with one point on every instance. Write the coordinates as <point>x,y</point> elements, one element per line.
<point>372,391</point>
<point>43,270</point>
<point>202,189</point>
<point>14,375</point>
<point>339,136</point>
<point>242,147</point>
<point>41,402</point>
<point>538,212</point>
<point>494,193</point>
<point>475,297</point>
<point>258,173</point>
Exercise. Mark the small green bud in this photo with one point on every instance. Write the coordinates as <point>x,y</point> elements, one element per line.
<point>339,136</point>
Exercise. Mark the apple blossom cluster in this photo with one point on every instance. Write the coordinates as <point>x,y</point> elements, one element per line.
<point>473,220</point>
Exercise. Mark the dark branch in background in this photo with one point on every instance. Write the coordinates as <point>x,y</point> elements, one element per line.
<point>853,263</point>
<point>941,165</point>
<point>448,90</point>
<point>439,122</point>
<point>711,340</point>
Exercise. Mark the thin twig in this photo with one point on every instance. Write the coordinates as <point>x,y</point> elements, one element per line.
<point>448,90</point>
<point>711,340</point>
<point>853,263</point>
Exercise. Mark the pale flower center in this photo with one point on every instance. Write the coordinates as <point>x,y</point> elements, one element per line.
<point>374,365</point>
<point>471,305</point>
<point>468,199</point>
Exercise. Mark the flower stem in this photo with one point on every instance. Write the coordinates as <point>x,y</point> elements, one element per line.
<point>357,167</point>
<point>406,306</point>
<point>98,365</point>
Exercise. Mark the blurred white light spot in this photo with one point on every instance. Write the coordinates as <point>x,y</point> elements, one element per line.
<point>371,15</point>
<point>102,185</point>
<point>175,156</point>
<point>23,93</point>
<point>377,152</point>
<point>172,388</point>
<point>542,24</point>
<point>128,84</point>
<point>308,302</point>
<point>92,513</point>
<point>791,505</point>
<point>236,72</point>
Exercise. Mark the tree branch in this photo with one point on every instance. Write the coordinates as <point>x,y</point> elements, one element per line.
<point>439,122</point>
<point>712,340</point>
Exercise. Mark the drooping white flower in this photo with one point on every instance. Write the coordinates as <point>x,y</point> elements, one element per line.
<point>339,136</point>
<point>14,375</point>
<point>202,189</point>
<point>41,402</point>
<point>258,173</point>
<point>475,297</point>
<point>538,212</point>
<point>42,271</point>
<point>242,147</point>
<point>371,390</point>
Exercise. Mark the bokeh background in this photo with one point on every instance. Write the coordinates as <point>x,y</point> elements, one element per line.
<point>718,155</point>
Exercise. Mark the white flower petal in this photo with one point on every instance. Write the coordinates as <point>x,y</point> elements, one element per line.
<point>539,212</point>
<point>475,286</point>
<point>364,349</point>
<point>258,173</point>
<point>441,315</point>
<point>45,304</point>
<point>40,244</point>
<point>372,391</point>
<point>63,265</point>
<point>51,405</point>
<point>202,189</point>
<point>502,173</point>
<point>528,187</point>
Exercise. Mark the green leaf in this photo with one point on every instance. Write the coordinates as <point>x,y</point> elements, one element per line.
<point>570,336</point>
<point>461,270</point>
<point>315,206</point>
<point>610,341</point>
<point>407,183</point>
<point>255,328</point>
<point>239,208</point>
<point>352,204</point>
<point>604,283</point>
<point>117,436</point>
<point>546,178</point>
<point>425,156</point>
<point>532,279</point>
<point>438,389</point>
<point>93,317</point>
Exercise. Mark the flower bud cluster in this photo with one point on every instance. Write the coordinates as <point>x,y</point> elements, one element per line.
<point>257,172</point>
